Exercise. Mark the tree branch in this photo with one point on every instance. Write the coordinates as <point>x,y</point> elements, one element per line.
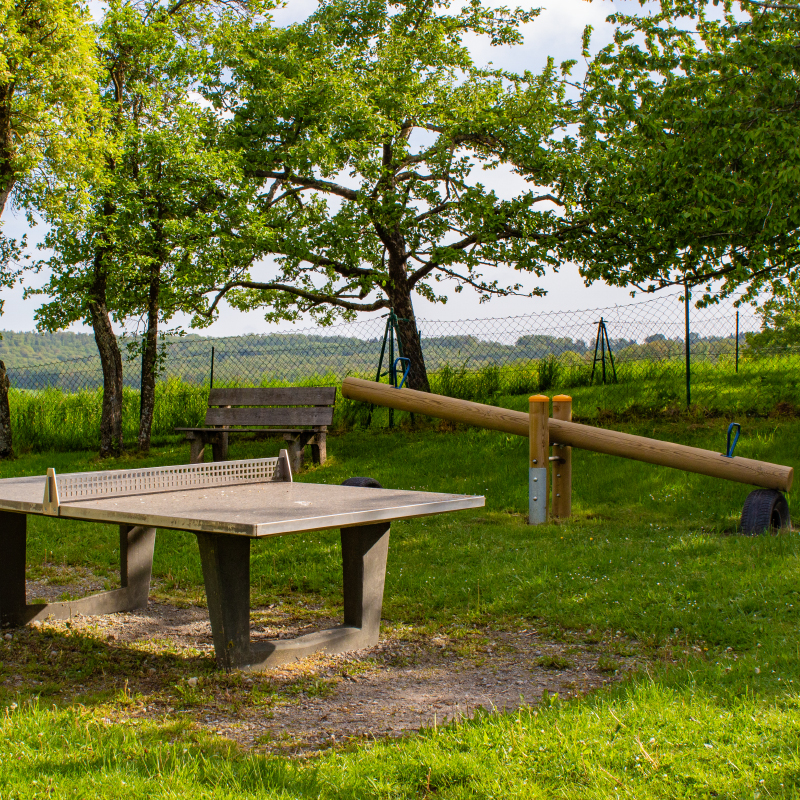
<point>315,298</point>
<point>308,183</point>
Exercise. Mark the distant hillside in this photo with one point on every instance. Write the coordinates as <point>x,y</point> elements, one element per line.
<point>27,349</point>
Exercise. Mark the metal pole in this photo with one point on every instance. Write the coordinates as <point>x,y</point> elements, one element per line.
<point>539,448</point>
<point>610,354</point>
<point>596,345</point>
<point>141,379</point>
<point>686,300</point>
<point>211,383</point>
<point>561,463</point>
<point>392,375</point>
<point>383,350</point>
<point>601,331</point>
<point>737,340</point>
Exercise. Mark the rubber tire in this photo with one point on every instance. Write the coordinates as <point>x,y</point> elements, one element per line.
<point>765,510</point>
<point>368,483</point>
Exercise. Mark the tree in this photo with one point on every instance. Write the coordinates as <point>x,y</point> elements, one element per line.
<point>138,249</point>
<point>46,66</point>
<point>47,71</point>
<point>689,156</point>
<point>366,128</point>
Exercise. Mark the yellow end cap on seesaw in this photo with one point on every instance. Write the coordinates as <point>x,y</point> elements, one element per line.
<point>562,398</point>
<point>539,398</point>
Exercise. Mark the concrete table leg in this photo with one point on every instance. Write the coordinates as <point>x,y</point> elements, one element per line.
<point>226,573</point>
<point>136,564</point>
<point>364,553</point>
<point>226,570</point>
<point>12,567</point>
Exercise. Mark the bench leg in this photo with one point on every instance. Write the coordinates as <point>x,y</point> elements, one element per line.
<point>197,450</point>
<point>219,447</point>
<point>296,449</point>
<point>136,564</point>
<point>319,451</point>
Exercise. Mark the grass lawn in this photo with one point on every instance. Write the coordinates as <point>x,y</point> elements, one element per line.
<point>650,560</point>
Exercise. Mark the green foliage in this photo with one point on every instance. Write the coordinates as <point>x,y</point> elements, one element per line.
<point>689,160</point>
<point>363,128</point>
<point>549,370</point>
<point>21,349</point>
<point>47,67</point>
<point>150,218</point>
<point>780,321</point>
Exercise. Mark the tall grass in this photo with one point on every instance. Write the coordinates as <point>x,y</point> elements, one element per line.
<point>55,420</point>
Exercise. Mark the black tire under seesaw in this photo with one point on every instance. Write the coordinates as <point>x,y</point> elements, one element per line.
<point>765,511</point>
<point>367,483</point>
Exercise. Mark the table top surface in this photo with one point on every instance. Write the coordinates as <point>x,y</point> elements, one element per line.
<point>251,509</point>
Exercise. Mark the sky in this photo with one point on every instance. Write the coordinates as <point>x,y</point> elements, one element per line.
<point>556,32</point>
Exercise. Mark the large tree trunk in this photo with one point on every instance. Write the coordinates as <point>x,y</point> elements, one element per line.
<point>6,450</point>
<point>111,361</point>
<point>400,296</point>
<point>149,356</point>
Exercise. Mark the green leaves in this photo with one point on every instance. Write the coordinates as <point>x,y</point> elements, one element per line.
<point>366,128</point>
<point>689,155</point>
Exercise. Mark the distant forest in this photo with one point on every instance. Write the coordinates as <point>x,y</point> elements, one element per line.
<point>24,349</point>
<point>70,361</point>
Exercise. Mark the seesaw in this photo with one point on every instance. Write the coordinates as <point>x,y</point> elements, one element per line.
<point>765,509</point>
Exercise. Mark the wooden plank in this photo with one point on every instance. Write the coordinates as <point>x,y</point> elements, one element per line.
<point>601,440</point>
<point>283,396</point>
<point>269,416</point>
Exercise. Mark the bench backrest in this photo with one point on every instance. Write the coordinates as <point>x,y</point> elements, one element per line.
<point>302,405</point>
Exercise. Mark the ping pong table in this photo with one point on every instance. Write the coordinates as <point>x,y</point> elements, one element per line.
<point>226,505</point>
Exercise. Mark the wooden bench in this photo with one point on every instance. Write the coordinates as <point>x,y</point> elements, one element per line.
<point>301,414</point>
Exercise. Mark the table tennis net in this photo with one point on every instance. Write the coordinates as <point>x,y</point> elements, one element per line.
<point>88,485</point>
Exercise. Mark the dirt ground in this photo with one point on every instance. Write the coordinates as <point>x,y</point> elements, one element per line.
<point>157,664</point>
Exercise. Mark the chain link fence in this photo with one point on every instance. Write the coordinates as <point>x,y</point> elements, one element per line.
<point>630,354</point>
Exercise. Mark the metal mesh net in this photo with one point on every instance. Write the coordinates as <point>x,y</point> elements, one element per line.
<point>642,341</point>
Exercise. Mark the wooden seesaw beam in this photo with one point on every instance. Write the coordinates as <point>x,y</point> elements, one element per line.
<point>573,434</point>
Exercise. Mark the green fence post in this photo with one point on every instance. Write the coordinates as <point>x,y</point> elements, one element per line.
<point>687,296</point>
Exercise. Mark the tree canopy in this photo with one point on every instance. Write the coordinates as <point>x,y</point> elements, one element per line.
<point>366,128</point>
<point>47,74</point>
<point>689,150</point>
<point>137,249</point>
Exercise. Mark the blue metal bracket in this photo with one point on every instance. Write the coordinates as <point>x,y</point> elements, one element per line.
<point>731,447</point>
<point>405,373</point>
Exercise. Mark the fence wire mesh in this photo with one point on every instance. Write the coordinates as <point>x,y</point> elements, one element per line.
<point>480,358</point>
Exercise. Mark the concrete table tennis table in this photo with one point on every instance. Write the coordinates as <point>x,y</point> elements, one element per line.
<point>226,505</point>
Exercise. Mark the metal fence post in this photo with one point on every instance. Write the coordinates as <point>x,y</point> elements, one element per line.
<point>141,379</point>
<point>211,381</point>
<point>737,341</point>
<point>539,444</point>
<point>686,300</point>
